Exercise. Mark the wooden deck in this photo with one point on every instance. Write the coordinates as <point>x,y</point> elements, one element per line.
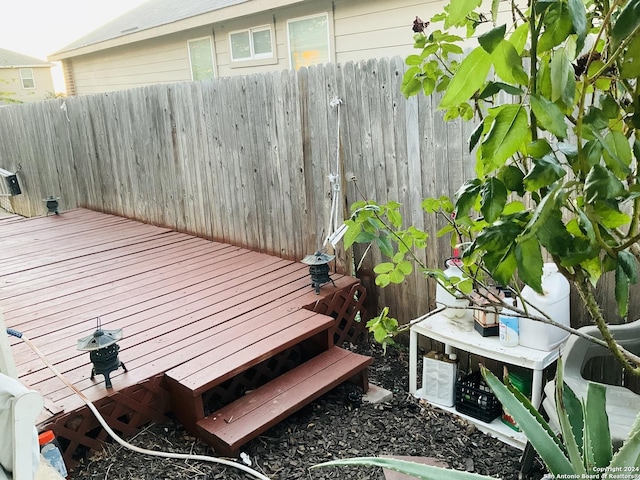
<point>177,298</point>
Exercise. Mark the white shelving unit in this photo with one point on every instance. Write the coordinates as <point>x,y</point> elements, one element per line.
<point>440,328</point>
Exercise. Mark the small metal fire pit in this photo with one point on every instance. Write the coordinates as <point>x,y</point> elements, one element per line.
<point>319,269</point>
<point>103,352</point>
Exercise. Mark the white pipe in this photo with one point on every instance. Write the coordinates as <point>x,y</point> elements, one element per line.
<point>114,435</point>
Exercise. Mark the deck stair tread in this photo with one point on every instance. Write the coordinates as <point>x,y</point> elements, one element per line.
<point>235,424</point>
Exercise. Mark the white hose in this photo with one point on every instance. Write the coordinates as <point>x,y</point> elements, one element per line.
<point>114,435</point>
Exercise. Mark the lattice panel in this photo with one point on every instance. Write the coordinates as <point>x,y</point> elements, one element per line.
<point>253,378</point>
<point>344,306</point>
<point>125,412</point>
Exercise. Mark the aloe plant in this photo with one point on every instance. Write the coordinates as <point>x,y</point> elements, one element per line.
<point>583,449</point>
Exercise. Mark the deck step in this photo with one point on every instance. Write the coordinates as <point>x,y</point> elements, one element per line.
<point>232,426</point>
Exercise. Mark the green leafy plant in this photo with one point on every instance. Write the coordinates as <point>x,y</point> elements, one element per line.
<point>585,449</point>
<point>556,99</point>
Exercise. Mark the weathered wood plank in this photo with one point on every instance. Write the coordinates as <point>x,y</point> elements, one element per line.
<point>245,160</point>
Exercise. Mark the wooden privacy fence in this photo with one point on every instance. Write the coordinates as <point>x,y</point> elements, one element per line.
<point>247,160</point>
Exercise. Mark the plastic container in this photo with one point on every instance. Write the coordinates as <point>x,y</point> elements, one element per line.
<point>509,328</point>
<point>50,450</point>
<point>439,375</point>
<point>456,307</point>
<point>555,303</point>
<point>522,381</point>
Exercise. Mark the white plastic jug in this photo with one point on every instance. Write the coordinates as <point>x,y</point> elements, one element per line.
<point>555,303</point>
<point>456,307</point>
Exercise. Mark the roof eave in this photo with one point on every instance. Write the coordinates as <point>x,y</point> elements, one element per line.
<point>216,16</point>
<point>40,65</point>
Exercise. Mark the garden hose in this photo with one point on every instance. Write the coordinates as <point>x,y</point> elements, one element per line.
<point>114,435</point>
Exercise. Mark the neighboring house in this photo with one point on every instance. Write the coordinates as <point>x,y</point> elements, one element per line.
<point>24,78</point>
<point>165,41</point>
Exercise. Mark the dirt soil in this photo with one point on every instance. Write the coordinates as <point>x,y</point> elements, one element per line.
<point>334,427</point>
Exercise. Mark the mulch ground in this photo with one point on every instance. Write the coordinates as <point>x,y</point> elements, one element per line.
<point>334,427</point>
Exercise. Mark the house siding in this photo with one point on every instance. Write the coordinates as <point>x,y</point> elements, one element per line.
<point>160,60</point>
<point>11,84</point>
<point>359,30</point>
<point>377,29</point>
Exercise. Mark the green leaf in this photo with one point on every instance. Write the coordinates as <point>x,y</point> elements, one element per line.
<point>535,429</point>
<point>539,148</point>
<point>529,258</point>
<point>353,231</point>
<point>558,26</point>
<point>495,10</point>
<point>578,14</point>
<point>617,152</point>
<point>626,22</point>
<point>490,40</point>
<point>494,198</point>
<point>609,106</point>
<point>630,63</point>
<point>493,88</point>
<point>383,280</point>
<point>475,136</point>
<point>508,133</point>
<point>609,214</point>
<point>498,237</point>
<point>384,267</point>
<point>549,116</point>
<point>508,64</point>
<point>598,450</point>
<point>571,418</point>
<point>394,216</point>
<point>415,470</point>
<point>411,82</point>
<point>503,270</point>
<point>458,11</point>
<point>466,197</point>
<point>469,77</point>
<point>545,171</point>
<point>396,276</point>
<point>560,69</point>
<point>628,263</point>
<point>385,245</point>
<point>512,177</point>
<point>519,37</point>
<point>413,60</point>
<point>544,210</point>
<point>405,267</point>
<point>622,291</point>
<point>601,184</point>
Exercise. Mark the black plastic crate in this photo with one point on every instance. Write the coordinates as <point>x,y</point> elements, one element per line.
<point>475,398</point>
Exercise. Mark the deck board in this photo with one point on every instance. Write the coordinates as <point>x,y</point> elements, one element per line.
<point>176,297</point>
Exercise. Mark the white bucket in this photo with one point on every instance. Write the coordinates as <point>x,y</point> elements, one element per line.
<point>555,303</point>
<point>456,307</point>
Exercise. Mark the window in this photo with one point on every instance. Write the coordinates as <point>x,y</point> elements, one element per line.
<point>201,58</point>
<point>251,44</point>
<point>308,40</point>
<point>26,76</point>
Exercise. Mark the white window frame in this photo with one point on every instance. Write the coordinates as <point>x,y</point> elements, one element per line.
<point>297,19</point>
<point>252,54</point>
<point>213,59</point>
<point>23,78</point>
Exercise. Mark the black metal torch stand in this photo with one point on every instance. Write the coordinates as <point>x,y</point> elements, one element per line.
<point>105,360</point>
